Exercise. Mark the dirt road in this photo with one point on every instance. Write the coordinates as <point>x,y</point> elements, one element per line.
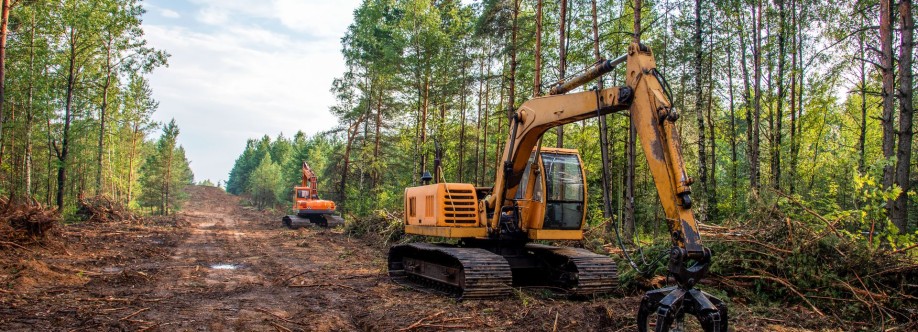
<point>226,268</point>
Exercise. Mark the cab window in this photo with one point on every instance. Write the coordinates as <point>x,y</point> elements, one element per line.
<point>563,190</point>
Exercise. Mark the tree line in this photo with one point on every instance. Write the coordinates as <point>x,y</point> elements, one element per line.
<point>76,106</point>
<point>785,98</point>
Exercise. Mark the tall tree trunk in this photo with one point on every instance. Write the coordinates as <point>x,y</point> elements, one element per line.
<point>899,213</point>
<point>511,99</point>
<point>65,141</point>
<point>699,114</point>
<point>135,130</point>
<point>628,218</point>
<point>424,109</point>
<point>757,104</point>
<point>462,106</point>
<point>102,115</point>
<point>886,69</point>
<point>168,179</point>
<point>602,125</point>
<point>376,141</point>
<point>4,31</point>
<point>537,77</point>
<point>712,187</point>
<point>636,36</point>
<point>342,186</point>
<point>779,118</point>
<point>478,161</point>
<point>801,71</point>
<point>734,161</point>
<point>562,65</point>
<point>862,138</point>
<point>30,112</point>
<point>793,98</point>
<point>487,105</point>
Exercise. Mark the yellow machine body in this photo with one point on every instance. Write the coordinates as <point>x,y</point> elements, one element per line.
<point>551,207</point>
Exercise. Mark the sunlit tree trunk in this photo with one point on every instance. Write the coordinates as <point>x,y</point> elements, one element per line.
<point>562,65</point>
<point>888,95</point>
<point>699,115</point>
<point>4,31</point>
<point>899,213</point>
<point>779,118</point>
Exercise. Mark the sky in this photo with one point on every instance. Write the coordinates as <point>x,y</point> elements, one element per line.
<point>244,69</point>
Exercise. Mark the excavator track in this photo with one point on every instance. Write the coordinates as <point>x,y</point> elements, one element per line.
<point>578,271</point>
<point>465,273</point>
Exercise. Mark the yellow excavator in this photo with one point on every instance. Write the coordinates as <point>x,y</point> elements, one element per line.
<point>308,206</point>
<point>540,194</point>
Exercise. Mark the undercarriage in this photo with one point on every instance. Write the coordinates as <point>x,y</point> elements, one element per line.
<point>484,271</point>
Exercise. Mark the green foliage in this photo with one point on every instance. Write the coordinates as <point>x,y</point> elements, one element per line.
<point>75,81</point>
<point>264,183</point>
<point>268,169</point>
<point>870,223</point>
<point>165,173</point>
<point>380,226</point>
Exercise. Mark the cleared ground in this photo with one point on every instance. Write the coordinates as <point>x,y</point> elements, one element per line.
<point>219,266</point>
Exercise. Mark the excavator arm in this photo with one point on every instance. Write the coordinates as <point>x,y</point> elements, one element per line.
<point>647,101</point>
<point>309,177</point>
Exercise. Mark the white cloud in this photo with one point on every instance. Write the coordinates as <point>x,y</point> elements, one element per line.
<point>241,80</point>
<point>213,15</point>
<point>165,12</point>
<point>317,17</point>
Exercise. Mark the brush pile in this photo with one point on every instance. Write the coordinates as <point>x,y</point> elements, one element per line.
<point>103,209</point>
<point>382,226</point>
<point>826,267</point>
<point>25,223</point>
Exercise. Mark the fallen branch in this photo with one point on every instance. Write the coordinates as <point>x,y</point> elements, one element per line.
<point>279,317</point>
<point>280,327</point>
<point>811,212</point>
<point>421,321</point>
<point>134,314</point>
<point>899,251</point>
<point>786,284</point>
<point>15,245</point>
<point>443,326</point>
<point>148,327</point>
<point>323,285</point>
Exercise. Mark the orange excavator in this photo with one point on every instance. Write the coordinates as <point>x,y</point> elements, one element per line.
<point>309,208</point>
<point>540,193</point>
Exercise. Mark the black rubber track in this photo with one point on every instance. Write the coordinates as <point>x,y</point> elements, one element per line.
<point>578,271</point>
<point>484,274</point>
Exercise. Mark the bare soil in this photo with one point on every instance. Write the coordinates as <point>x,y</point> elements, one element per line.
<point>223,267</point>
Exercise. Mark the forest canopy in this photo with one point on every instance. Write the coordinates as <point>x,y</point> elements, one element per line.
<point>76,108</point>
<point>778,99</point>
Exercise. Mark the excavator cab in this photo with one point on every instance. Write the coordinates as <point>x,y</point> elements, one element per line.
<point>564,191</point>
<point>560,173</point>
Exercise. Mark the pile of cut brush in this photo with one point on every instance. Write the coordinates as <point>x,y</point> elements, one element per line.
<point>103,209</point>
<point>381,226</point>
<point>25,223</point>
<point>795,257</point>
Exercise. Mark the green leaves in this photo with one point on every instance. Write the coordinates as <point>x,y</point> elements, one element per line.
<point>165,173</point>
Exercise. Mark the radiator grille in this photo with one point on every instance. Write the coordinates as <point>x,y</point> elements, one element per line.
<point>460,206</point>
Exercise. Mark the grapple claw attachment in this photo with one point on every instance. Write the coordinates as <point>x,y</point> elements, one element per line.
<point>669,305</point>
